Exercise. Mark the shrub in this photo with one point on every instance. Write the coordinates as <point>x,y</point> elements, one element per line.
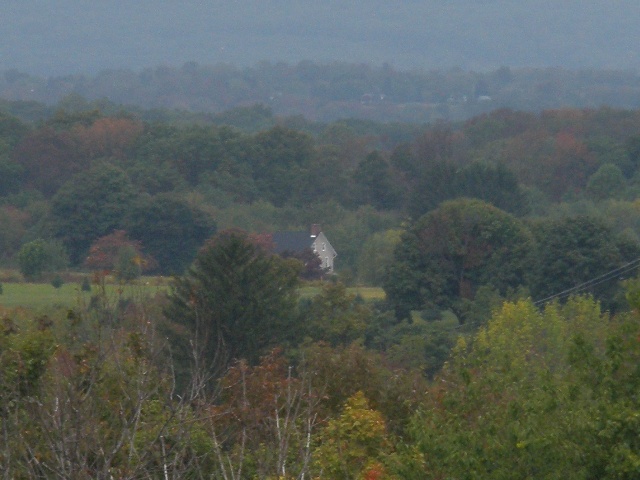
<point>57,282</point>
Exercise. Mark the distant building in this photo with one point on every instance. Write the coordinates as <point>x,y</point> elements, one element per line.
<point>370,98</point>
<point>298,241</point>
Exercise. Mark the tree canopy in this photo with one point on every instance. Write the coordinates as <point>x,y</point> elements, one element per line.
<point>170,229</point>
<point>453,250</point>
<point>90,205</point>
<point>534,393</point>
<point>573,250</point>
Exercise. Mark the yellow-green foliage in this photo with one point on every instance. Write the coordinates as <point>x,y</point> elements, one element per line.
<point>350,444</point>
<point>24,356</point>
<point>535,394</point>
<point>335,316</point>
<point>85,401</point>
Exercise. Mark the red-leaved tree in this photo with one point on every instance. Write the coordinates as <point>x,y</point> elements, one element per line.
<point>118,254</point>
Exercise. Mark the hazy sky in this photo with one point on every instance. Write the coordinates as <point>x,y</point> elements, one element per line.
<point>56,37</point>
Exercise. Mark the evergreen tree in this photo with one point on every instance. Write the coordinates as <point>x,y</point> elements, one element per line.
<point>236,299</point>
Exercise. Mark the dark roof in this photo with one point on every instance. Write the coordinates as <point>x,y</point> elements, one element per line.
<point>292,241</point>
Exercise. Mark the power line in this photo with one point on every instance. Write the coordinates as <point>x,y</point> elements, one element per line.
<point>605,277</point>
<point>593,282</point>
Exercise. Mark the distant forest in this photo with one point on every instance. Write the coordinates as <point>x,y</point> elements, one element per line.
<point>468,227</point>
<point>331,91</point>
<point>80,170</point>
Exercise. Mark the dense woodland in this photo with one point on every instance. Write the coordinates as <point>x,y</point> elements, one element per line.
<point>482,361</point>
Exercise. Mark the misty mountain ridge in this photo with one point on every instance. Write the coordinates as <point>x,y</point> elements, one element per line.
<point>77,36</point>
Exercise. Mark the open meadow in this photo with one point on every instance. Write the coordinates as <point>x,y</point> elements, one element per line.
<point>40,296</point>
<point>368,294</point>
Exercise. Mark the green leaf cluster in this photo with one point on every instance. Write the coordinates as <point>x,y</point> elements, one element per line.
<point>452,251</point>
<point>40,256</point>
<point>535,394</point>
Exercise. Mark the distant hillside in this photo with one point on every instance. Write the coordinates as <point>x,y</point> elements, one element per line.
<point>78,36</point>
<point>326,92</point>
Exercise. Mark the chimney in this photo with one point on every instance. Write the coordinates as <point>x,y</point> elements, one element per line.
<point>315,230</point>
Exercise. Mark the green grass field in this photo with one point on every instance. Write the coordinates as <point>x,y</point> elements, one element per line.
<point>39,296</point>
<point>368,294</point>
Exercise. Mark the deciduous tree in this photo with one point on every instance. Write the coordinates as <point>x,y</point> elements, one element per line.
<point>279,158</point>
<point>452,251</point>
<point>350,444</point>
<point>170,228</point>
<point>90,205</point>
<point>374,177</point>
<point>13,226</point>
<point>118,254</point>
<point>48,159</point>
<point>573,250</point>
<point>335,316</point>
<point>445,181</point>
<point>535,394</point>
<point>376,255</point>
<point>40,256</point>
<point>264,419</point>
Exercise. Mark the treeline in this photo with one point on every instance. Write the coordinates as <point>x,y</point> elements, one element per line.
<point>79,175</point>
<point>326,92</point>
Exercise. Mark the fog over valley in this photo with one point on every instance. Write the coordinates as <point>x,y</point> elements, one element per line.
<point>78,36</point>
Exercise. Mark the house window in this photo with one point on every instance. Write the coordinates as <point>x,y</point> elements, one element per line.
<point>324,246</point>
<point>326,260</point>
